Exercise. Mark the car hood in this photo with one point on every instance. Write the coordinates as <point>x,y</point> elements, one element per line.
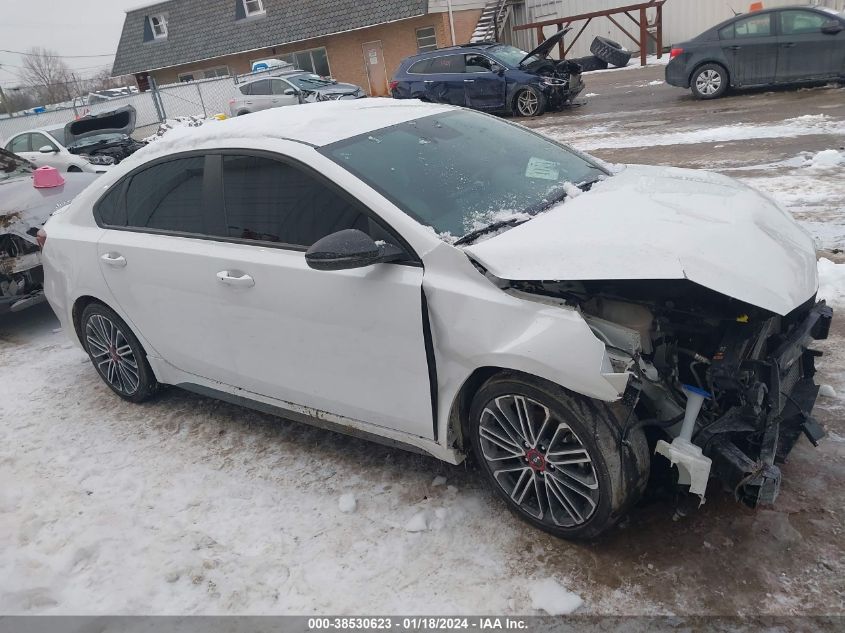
<point>665,223</point>
<point>547,45</point>
<point>119,121</point>
<point>339,88</point>
<point>23,207</point>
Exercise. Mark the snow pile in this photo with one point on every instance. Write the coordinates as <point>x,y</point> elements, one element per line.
<point>832,282</point>
<point>418,523</point>
<point>347,503</point>
<point>827,391</point>
<point>178,122</point>
<point>549,596</point>
<point>828,158</point>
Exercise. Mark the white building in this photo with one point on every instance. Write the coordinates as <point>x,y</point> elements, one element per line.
<point>682,19</point>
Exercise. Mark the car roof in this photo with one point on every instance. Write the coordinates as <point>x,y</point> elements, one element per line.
<point>455,49</point>
<point>315,124</point>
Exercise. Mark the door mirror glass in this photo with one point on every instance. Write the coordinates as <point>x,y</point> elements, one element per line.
<point>350,248</point>
<point>832,27</point>
<point>289,92</point>
<point>47,149</point>
<point>496,68</point>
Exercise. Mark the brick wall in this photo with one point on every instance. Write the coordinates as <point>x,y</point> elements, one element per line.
<point>346,57</point>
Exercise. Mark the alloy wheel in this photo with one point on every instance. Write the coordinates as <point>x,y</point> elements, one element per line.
<point>708,82</point>
<point>112,354</point>
<point>527,103</point>
<point>538,461</point>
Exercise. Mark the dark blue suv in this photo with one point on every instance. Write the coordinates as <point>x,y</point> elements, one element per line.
<point>490,76</point>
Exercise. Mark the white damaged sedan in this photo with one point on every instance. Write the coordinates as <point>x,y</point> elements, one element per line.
<point>448,282</point>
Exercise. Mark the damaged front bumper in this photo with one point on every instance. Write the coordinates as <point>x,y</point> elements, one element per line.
<point>747,443</point>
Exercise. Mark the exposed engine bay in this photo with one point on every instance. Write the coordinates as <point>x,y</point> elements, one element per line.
<point>103,139</point>
<point>727,387</point>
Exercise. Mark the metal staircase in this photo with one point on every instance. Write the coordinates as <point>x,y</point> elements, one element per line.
<point>492,21</point>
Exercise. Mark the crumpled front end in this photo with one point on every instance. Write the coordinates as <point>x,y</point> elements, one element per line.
<point>21,273</point>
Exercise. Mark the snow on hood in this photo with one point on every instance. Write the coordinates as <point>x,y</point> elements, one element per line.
<point>119,121</point>
<point>665,223</point>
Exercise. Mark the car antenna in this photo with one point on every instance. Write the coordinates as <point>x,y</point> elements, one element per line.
<point>735,12</point>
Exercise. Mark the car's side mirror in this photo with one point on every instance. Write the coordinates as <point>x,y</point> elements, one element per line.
<point>499,70</point>
<point>47,149</point>
<point>832,27</point>
<point>350,248</point>
<point>289,92</point>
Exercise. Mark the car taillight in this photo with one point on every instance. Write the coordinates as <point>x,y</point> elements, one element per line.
<point>393,85</point>
<point>675,52</point>
<point>41,238</point>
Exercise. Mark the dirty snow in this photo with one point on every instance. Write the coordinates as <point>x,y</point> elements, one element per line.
<point>347,503</point>
<point>832,282</point>
<point>550,596</point>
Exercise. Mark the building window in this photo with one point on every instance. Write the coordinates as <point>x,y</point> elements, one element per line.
<point>220,71</point>
<point>158,24</point>
<point>253,7</point>
<point>314,60</point>
<point>426,39</point>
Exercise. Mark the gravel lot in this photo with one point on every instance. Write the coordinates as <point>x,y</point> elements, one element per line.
<point>187,505</point>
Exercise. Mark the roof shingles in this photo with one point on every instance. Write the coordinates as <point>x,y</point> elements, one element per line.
<point>205,29</point>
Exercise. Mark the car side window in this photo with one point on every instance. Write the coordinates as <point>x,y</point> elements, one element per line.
<point>420,68</point>
<point>270,201</point>
<point>37,141</point>
<point>447,64</point>
<point>261,87</point>
<point>753,26</point>
<point>278,86</point>
<point>800,22</point>
<point>167,196</point>
<point>246,89</point>
<point>478,64</point>
<point>19,144</point>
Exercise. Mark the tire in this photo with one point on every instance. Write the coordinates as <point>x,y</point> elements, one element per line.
<point>589,63</point>
<point>243,112</point>
<point>580,493</point>
<point>73,169</point>
<point>116,354</point>
<point>529,102</point>
<point>610,51</point>
<point>709,81</point>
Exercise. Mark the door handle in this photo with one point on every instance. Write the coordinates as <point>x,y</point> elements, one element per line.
<point>235,278</point>
<point>428,81</point>
<point>469,81</point>
<point>735,48</point>
<point>115,260</point>
<point>788,45</point>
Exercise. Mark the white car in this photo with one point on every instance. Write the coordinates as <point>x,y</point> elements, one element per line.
<point>351,265</point>
<point>45,147</point>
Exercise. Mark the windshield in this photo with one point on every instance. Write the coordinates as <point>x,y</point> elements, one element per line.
<point>510,55</point>
<point>12,165</point>
<point>309,82</point>
<point>459,171</point>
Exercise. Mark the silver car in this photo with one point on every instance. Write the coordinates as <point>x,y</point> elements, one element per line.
<point>289,89</point>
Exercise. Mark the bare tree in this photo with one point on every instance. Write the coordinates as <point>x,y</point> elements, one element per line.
<point>46,74</point>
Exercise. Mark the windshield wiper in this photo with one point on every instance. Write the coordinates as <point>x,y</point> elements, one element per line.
<point>474,235</point>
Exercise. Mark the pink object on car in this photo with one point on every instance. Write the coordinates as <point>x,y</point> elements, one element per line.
<point>45,177</point>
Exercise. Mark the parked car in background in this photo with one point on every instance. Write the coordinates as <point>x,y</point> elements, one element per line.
<point>91,143</point>
<point>776,46</point>
<point>350,265</point>
<point>490,77</point>
<point>291,88</point>
<point>23,211</point>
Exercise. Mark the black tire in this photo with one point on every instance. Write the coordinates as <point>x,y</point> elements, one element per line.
<point>73,169</point>
<point>243,112</point>
<point>709,81</point>
<point>598,492</point>
<point>610,51</point>
<point>127,372</point>
<point>529,102</point>
<point>589,63</point>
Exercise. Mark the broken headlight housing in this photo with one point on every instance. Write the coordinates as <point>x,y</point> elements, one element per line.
<point>98,160</point>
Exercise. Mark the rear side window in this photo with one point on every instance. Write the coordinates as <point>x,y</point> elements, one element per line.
<point>246,89</point>
<point>167,197</point>
<point>270,201</point>
<point>420,67</point>
<point>261,87</point>
<point>447,64</point>
<point>19,144</point>
<point>752,26</point>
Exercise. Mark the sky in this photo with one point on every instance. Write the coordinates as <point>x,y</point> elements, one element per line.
<point>69,27</point>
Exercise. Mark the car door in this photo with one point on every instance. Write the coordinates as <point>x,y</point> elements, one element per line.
<point>348,342</point>
<point>750,47</point>
<point>55,158</point>
<point>445,81</point>
<point>260,97</point>
<point>805,51</point>
<point>154,257</point>
<point>485,89</point>
<point>278,88</point>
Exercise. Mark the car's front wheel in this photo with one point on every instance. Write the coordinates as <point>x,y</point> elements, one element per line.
<point>530,102</point>
<point>710,81</point>
<point>557,459</point>
<point>117,354</point>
